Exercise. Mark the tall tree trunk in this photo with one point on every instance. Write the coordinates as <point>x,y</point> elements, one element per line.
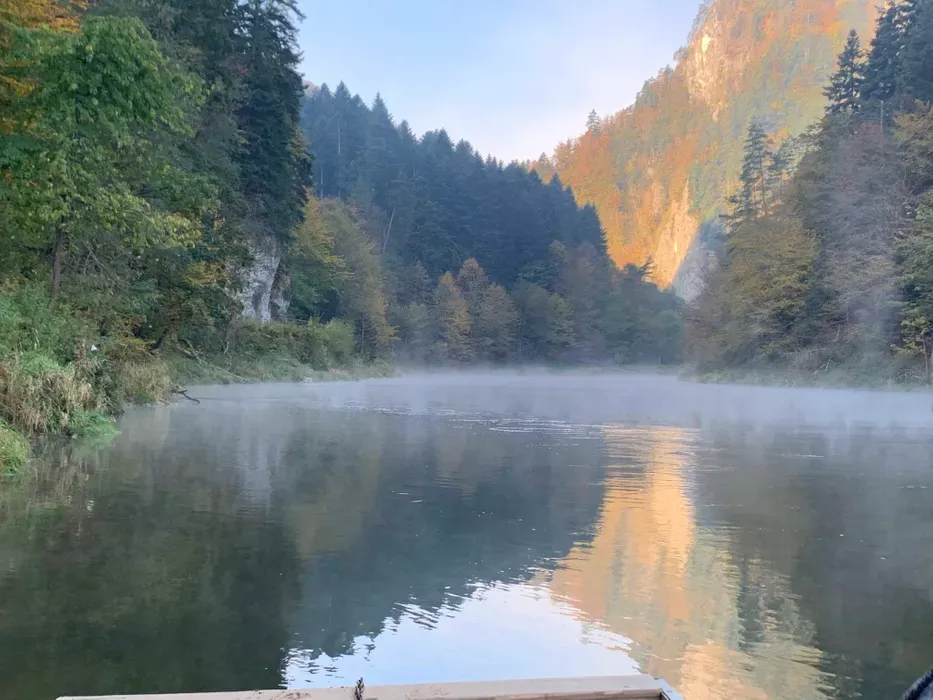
<point>58,252</point>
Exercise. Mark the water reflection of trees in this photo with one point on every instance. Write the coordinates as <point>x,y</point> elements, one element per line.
<point>845,517</point>
<point>193,558</point>
<point>719,554</point>
<point>421,510</point>
<point>210,540</point>
<point>124,582</point>
<point>656,575</point>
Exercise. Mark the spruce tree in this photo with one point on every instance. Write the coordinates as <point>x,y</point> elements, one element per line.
<point>593,122</point>
<point>274,165</point>
<point>845,86</point>
<point>752,200</point>
<point>917,66</point>
<point>883,67</point>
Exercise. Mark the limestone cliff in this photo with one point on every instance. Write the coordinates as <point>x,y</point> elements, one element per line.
<point>264,281</point>
<point>659,171</point>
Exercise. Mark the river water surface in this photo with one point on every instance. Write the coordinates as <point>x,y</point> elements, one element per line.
<point>738,542</point>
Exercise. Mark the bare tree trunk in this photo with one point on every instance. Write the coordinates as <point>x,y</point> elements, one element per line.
<point>385,241</point>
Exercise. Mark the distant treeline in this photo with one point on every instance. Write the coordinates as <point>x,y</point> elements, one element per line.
<point>480,261</point>
<point>828,259</point>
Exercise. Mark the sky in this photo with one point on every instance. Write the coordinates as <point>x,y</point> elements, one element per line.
<point>512,77</point>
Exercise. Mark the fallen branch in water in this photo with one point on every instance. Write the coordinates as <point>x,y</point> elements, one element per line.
<point>184,392</point>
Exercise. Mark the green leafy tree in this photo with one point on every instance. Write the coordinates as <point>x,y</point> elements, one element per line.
<point>472,282</point>
<point>85,146</point>
<point>915,246</point>
<point>545,323</point>
<point>560,335</point>
<point>16,15</point>
<point>315,270</point>
<point>362,299</point>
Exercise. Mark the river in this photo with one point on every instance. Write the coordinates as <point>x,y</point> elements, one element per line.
<point>739,542</point>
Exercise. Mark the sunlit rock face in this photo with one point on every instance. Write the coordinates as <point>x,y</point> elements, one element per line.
<point>659,171</point>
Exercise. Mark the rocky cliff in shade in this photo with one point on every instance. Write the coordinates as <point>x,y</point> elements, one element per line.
<point>265,281</point>
<point>660,170</point>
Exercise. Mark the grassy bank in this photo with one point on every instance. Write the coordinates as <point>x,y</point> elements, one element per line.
<point>856,376</point>
<point>275,352</point>
<point>61,375</point>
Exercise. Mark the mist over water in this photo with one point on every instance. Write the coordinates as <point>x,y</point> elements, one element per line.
<point>736,541</point>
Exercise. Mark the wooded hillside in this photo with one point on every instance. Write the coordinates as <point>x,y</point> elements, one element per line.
<point>659,172</point>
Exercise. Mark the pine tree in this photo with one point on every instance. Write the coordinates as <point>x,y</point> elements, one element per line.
<point>752,200</point>
<point>494,323</point>
<point>884,64</point>
<point>472,282</point>
<point>917,66</point>
<point>593,122</point>
<point>274,166</point>
<point>845,87</point>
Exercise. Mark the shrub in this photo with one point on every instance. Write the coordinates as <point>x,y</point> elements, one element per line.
<point>29,323</point>
<point>322,346</point>
<point>91,425</point>
<point>14,450</point>
<point>127,373</point>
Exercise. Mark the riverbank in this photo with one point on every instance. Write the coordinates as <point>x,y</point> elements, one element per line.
<point>63,374</point>
<point>67,401</point>
<point>246,369</point>
<point>842,377</point>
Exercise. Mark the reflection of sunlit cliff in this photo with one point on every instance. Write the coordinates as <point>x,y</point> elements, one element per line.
<point>711,626</point>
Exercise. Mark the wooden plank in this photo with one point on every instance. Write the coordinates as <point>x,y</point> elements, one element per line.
<point>641,687</point>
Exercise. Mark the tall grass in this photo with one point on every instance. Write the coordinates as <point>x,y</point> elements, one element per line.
<point>39,396</point>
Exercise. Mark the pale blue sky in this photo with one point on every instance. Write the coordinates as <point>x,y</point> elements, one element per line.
<point>513,77</point>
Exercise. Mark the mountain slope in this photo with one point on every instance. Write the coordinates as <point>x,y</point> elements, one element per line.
<point>659,171</point>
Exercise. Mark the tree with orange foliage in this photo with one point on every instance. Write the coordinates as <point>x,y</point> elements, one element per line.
<point>16,15</point>
<point>59,15</point>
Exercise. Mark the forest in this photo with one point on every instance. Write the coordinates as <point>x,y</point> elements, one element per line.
<point>153,152</point>
<point>478,261</point>
<point>826,264</point>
